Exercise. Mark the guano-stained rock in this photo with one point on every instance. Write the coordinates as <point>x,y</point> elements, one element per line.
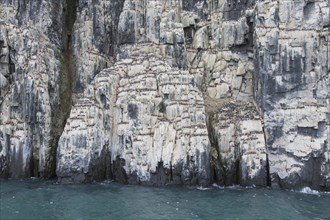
<point>144,113</point>
<point>29,37</point>
<point>166,92</point>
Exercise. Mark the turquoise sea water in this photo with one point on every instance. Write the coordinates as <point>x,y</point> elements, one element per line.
<point>36,199</point>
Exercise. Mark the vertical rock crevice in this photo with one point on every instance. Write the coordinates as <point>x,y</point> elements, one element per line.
<point>268,177</point>
<point>61,110</point>
<point>215,163</point>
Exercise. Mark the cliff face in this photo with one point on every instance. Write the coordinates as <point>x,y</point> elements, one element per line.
<point>166,91</point>
<point>30,69</point>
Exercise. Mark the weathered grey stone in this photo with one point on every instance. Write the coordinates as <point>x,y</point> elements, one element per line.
<point>238,145</point>
<point>144,77</point>
<point>154,116</point>
<point>291,69</point>
<point>29,71</point>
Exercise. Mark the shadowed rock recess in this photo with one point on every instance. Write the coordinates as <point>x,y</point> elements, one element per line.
<point>160,92</point>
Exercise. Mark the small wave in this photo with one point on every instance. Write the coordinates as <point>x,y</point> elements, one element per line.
<point>106,182</point>
<point>203,188</point>
<point>250,187</point>
<point>307,190</point>
<point>236,187</point>
<point>217,186</point>
<point>233,187</point>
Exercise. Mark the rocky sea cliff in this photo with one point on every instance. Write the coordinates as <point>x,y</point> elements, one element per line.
<point>157,92</point>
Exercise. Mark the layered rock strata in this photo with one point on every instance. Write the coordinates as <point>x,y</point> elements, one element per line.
<point>293,90</point>
<point>166,91</point>
<point>238,153</point>
<point>144,113</point>
<point>29,40</point>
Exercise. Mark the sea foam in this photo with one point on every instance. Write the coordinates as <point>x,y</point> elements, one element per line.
<point>308,190</point>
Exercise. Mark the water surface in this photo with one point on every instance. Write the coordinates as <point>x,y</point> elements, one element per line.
<point>35,199</point>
